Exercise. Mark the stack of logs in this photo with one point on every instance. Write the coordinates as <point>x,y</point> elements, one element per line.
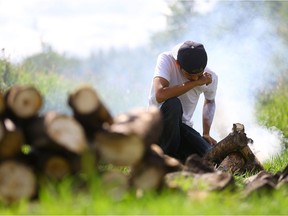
<point>51,144</point>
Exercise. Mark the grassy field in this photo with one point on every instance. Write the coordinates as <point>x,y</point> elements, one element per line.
<point>69,197</point>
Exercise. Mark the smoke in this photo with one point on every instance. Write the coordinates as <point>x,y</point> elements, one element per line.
<point>241,46</point>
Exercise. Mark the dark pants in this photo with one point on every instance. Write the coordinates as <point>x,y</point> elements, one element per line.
<point>178,139</point>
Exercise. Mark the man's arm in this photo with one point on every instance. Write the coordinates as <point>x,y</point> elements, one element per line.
<point>163,91</point>
<point>207,118</point>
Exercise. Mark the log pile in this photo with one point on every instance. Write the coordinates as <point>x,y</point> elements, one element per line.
<point>51,145</point>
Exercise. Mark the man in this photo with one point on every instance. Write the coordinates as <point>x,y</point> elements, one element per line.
<point>179,79</point>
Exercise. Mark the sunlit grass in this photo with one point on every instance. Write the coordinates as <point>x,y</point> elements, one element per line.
<point>85,194</point>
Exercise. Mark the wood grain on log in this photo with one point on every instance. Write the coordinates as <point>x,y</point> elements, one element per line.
<point>146,123</point>
<point>234,154</point>
<point>23,101</point>
<point>119,149</point>
<point>57,167</point>
<point>233,163</point>
<point>66,131</point>
<point>252,164</point>
<point>148,174</point>
<point>17,181</point>
<point>235,141</point>
<point>54,130</point>
<point>88,109</point>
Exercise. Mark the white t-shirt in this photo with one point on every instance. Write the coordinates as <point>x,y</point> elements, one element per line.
<point>167,68</point>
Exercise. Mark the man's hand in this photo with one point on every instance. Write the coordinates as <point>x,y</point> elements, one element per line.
<point>209,139</point>
<point>206,78</point>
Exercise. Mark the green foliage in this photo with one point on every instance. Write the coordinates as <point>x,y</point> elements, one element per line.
<point>272,106</point>
<point>278,163</point>
<point>52,86</point>
<point>50,61</point>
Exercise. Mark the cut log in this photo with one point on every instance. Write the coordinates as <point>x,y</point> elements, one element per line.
<point>54,164</point>
<point>35,132</point>
<point>235,141</point>
<point>148,174</point>
<point>11,143</point>
<point>22,102</point>
<point>252,164</point>
<point>119,149</point>
<point>17,181</point>
<point>259,186</point>
<point>66,131</point>
<point>146,123</point>
<point>54,130</point>
<point>89,110</point>
<point>2,104</point>
<point>283,177</point>
<point>171,164</point>
<point>195,164</point>
<point>56,167</point>
<point>233,163</point>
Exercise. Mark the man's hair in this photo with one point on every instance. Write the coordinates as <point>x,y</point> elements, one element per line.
<point>192,57</point>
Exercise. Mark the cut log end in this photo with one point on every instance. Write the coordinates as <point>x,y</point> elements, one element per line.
<point>67,132</point>
<point>119,149</point>
<point>85,100</point>
<point>25,102</point>
<point>17,181</point>
<point>57,167</point>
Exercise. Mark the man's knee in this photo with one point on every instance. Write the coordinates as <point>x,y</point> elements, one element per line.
<point>172,106</point>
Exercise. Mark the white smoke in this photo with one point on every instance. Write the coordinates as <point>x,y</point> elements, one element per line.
<point>241,57</point>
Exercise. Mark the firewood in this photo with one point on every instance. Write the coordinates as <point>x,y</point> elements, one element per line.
<point>194,163</point>
<point>259,186</point>
<point>252,164</point>
<point>148,174</point>
<point>56,167</point>
<point>233,163</point>
<point>283,178</point>
<point>171,163</point>
<point>55,130</point>
<point>22,102</point>
<point>53,164</point>
<point>146,123</point>
<point>89,110</point>
<point>17,181</point>
<point>12,141</point>
<point>119,149</point>
<point>235,141</point>
<point>2,104</point>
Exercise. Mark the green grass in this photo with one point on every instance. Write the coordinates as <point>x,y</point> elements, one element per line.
<point>88,196</point>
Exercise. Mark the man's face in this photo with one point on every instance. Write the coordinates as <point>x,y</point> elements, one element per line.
<point>191,77</point>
